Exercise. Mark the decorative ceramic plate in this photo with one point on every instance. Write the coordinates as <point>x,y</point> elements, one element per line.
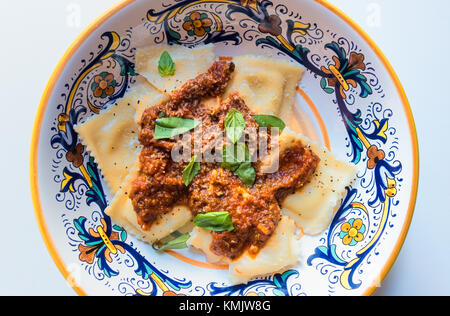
<point>350,100</point>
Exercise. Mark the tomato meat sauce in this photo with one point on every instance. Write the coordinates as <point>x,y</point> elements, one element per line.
<point>255,211</point>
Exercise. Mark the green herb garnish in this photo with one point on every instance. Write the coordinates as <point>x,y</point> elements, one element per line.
<point>246,173</point>
<point>177,243</point>
<point>191,171</point>
<point>168,127</point>
<point>234,125</point>
<point>166,66</point>
<point>236,158</point>
<point>235,155</point>
<point>215,221</point>
<point>269,121</point>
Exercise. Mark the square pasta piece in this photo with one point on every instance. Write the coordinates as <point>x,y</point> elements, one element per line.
<point>313,206</point>
<point>122,213</point>
<point>111,136</point>
<point>267,85</point>
<point>281,251</point>
<point>188,64</point>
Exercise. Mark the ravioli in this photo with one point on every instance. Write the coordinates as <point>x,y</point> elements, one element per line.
<point>188,62</point>
<point>280,252</point>
<point>267,85</point>
<point>122,212</point>
<point>313,206</point>
<point>111,136</point>
<point>201,239</point>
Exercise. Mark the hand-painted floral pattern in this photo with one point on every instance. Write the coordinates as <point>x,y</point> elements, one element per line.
<point>352,232</point>
<point>101,245</point>
<point>375,155</point>
<point>272,25</point>
<point>345,72</point>
<point>75,156</point>
<point>197,24</point>
<point>104,85</point>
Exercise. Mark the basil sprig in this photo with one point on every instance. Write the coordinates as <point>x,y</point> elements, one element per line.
<point>234,125</point>
<point>246,173</point>
<point>168,127</point>
<point>234,155</point>
<point>269,121</point>
<point>236,158</point>
<point>166,66</point>
<point>191,171</point>
<point>215,221</point>
<point>177,243</point>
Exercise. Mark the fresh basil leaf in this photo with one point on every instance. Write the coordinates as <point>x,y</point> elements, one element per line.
<point>215,221</point>
<point>269,121</point>
<point>168,127</point>
<point>234,155</point>
<point>234,125</point>
<point>177,243</point>
<point>166,66</point>
<point>191,171</point>
<point>246,173</point>
<point>237,159</point>
<point>176,122</point>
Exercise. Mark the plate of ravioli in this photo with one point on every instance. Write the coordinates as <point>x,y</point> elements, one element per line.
<point>224,147</point>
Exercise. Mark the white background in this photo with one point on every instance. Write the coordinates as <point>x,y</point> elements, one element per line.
<point>413,35</point>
